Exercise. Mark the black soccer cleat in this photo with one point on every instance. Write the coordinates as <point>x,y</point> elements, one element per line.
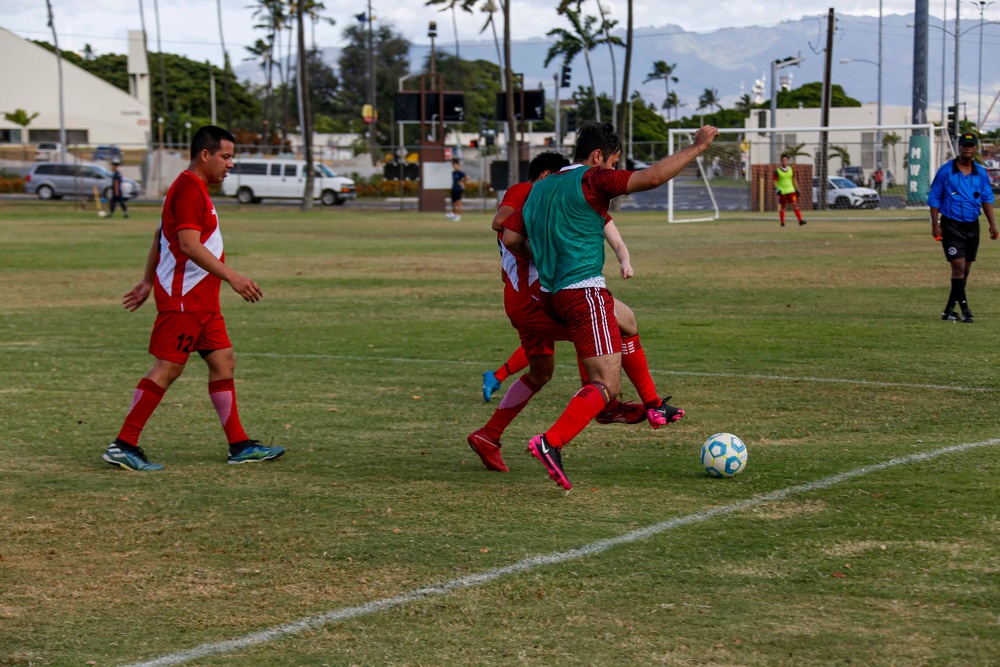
<point>967,316</point>
<point>949,315</point>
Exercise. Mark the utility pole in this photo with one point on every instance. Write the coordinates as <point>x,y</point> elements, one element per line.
<point>371,83</point>
<point>958,123</point>
<point>824,137</point>
<point>555,77</point>
<point>878,134</point>
<point>979,102</point>
<point>62,118</point>
<point>305,108</point>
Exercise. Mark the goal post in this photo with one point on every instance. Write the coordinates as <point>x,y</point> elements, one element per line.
<point>873,172</point>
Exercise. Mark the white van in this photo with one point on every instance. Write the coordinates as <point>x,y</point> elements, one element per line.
<point>254,179</point>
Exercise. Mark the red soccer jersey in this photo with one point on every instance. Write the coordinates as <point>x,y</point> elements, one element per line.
<point>180,283</point>
<point>520,280</point>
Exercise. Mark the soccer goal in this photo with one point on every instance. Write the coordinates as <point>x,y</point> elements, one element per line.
<point>871,172</point>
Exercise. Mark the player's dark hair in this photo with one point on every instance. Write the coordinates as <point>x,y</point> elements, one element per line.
<point>456,161</point>
<point>210,138</point>
<point>547,161</point>
<point>594,136</point>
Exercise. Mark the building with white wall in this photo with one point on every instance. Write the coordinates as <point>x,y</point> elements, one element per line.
<point>95,112</point>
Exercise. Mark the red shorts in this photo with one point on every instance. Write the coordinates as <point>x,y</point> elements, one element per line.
<point>537,330</point>
<point>590,315</point>
<point>790,198</point>
<point>177,334</point>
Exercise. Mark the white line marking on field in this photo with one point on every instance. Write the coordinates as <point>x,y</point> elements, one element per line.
<point>295,627</point>
<point>750,376</point>
<point>406,360</point>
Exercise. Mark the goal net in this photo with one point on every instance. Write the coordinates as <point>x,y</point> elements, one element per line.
<point>872,172</point>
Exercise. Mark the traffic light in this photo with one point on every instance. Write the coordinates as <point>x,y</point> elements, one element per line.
<point>571,121</point>
<point>564,80</point>
<point>953,121</point>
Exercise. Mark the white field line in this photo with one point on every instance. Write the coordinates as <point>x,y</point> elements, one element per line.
<point>376,606</point>
<point>750,376</point>
<point>406,360</point>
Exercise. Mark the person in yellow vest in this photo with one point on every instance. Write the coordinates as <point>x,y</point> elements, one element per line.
<point>784,182</point>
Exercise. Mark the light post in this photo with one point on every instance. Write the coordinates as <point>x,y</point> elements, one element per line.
<point>187,131</point>
<point>982,4</point>
<point>159,160</point>
<point>775,66</point>
<point>956,35</point>
<point>432,33</point>
<point>878,121</point>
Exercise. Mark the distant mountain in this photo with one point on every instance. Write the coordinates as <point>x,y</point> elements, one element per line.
<point>731,60</point>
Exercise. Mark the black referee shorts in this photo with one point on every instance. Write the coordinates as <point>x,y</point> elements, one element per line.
<point>960,240</point>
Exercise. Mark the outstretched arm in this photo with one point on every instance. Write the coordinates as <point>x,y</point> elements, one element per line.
<point>662,171</point>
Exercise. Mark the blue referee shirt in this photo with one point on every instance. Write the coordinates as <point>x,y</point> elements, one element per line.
<point>958,196</point>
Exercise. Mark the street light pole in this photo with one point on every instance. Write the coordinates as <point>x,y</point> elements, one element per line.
<point>982,4</point>
<point>958,123</point>
<point>878,133</point>
<point>775,66</point>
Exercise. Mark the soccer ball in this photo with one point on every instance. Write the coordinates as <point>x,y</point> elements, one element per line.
<point>724,455</point>
<point>102,214</point>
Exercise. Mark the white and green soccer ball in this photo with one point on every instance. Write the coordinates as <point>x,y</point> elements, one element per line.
<point>724,455</point>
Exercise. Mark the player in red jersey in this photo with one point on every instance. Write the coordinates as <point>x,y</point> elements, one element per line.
<point>185,268</point>
<point>537,330</point>
<point>563,218</point>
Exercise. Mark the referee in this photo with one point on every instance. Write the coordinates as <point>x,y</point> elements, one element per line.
<point>960,189</point>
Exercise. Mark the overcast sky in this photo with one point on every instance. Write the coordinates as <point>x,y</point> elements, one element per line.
<point>190,27</point>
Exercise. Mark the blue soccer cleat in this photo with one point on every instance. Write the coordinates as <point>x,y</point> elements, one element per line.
<point>490,385</point>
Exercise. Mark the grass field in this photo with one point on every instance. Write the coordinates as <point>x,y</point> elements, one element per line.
<point>820,346</point>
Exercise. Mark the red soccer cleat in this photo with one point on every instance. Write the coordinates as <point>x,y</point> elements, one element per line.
<point>622,412</point>
<point>488,450</point>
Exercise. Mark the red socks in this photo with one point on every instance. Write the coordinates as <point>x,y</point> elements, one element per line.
<point>223,395</point>
<point>637,369</point>
<point>144,401</point>
<point>782,216</point>
<point>513,402</point>
<point>583,407</point>
<point>798,214</point>
<point>517,362</point>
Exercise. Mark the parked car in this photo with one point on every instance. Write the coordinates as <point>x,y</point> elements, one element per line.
<point>109,153</point>
<point>254,179</point>
<point>853,173</point>
<point>994,174</point>
<point>48,150</point>
<point>842,193</point>
<point>55,180</point>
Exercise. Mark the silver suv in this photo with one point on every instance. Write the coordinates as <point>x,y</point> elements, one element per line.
<point>55,180</point>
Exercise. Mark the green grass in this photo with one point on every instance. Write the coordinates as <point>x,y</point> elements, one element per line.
<point>364,360</point>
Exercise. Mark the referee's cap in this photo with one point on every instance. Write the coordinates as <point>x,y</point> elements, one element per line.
<point>968,139</point>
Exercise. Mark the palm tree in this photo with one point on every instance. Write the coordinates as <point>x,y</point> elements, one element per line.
<point>226,68</point>
<point>661,70</point>
<point>583,39</point>
<point>628,68</point>
<point>305,108</point>
<point>672,101</point>
<point>606,26</point>
<point>489,7</point>
<point>22,118</point>
<point>708,99</point>
<point>745,104</point>
<point>163,67</point>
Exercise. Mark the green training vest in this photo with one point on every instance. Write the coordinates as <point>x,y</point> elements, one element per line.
<point>786,180</point>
